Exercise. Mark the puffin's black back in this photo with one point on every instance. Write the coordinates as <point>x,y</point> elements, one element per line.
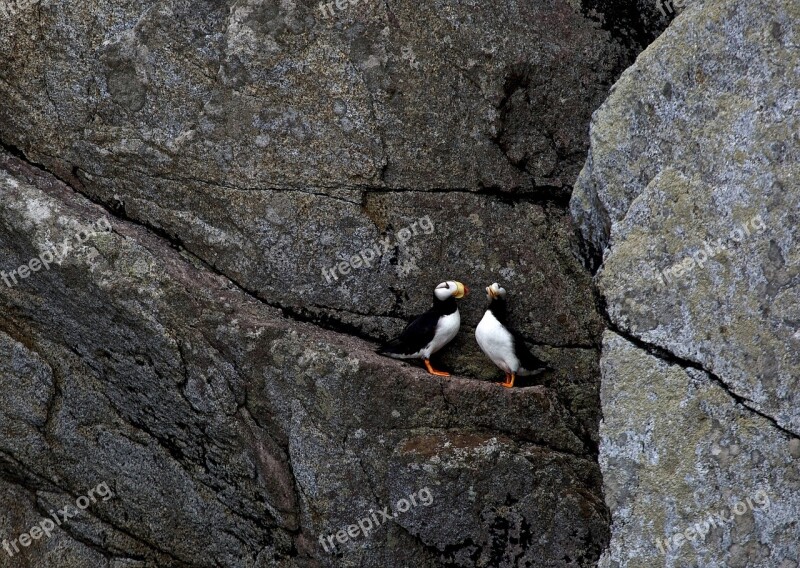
<point>421,331</point>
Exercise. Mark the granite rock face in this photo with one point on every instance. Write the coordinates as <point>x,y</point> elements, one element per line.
<point>221,174</point>
<point>688,208</point>
<point>708,469</point>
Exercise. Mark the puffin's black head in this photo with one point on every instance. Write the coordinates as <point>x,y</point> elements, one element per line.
<point>450,289</point>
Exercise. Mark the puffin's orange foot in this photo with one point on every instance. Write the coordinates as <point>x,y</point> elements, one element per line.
<point>433,371</point>
<point>509,380</point>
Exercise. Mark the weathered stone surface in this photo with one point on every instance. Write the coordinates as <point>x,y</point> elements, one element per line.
<point>231,436</point>
<point>532,506</point>
<point>677,449</point>
<point>229,93</point>
<point>743,89</point>
<point>688,206</point>
<point>699,157</point>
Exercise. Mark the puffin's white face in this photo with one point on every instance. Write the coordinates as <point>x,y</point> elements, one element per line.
<point>450,288</point>
<point>495,291</point>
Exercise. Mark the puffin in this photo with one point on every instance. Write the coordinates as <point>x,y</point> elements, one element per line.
<point>504,346</point>
<point>432,330</point>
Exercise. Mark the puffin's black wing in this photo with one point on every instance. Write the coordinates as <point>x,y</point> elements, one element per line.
<point>527,360</point>
<point>415,336</point>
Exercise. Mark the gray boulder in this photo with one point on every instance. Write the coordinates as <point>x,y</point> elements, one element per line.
<point>687,205</point>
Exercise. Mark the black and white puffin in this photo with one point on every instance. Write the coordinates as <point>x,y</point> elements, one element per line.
<point>504,346</point>
<point>432,330</point>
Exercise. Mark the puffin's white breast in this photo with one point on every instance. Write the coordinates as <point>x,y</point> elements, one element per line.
<point>446,330</point>
<point>497,342</point>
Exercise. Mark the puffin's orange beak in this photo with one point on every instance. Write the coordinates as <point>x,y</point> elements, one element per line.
<point>461,290</point>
